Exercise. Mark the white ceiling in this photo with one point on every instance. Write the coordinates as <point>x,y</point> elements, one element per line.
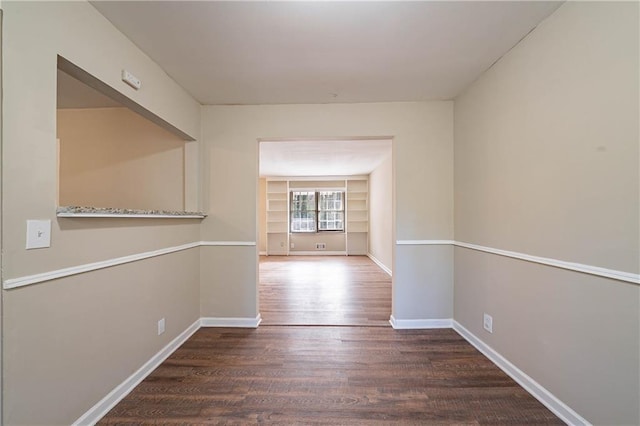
<point>322,158</point>
<point>269,52</point>
<point>322,52</point>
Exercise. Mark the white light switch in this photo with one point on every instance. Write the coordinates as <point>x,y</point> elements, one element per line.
<point>38,234</point>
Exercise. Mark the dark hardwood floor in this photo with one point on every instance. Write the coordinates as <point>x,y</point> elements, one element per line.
<point>355,374</point>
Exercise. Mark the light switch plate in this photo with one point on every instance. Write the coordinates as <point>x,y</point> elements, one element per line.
<point>38,234</point>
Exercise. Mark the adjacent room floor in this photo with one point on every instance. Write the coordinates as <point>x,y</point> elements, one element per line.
<point>325,354</point>
<point>324,290</point>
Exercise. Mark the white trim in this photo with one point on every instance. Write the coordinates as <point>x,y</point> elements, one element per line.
<point>88,267</point>
<point>231,322</point>
<point>317,253</point>
<point>227,243</point>
<point>578,267</point>
<point>314,178</point>
<point>74,270</point>
<point>95,413</point>
<point>424,242</point>
<point>380,264</point>
<point>571,266</point>
<point>263,253</point>
<point>402,324</point>
<point>558,407</point>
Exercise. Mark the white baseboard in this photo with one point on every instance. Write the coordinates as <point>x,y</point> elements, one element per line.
<point>317,253</point>
<point>263,253</point>
<point>95,413</point>
<point>400,324</point>
<point>231,322</point>
<point>556,406</point>
<point>559,408</point>
<point>380,264</point>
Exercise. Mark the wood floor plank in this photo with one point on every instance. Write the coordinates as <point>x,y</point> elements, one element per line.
<point>323,290</point>
<point>347,366</point>
<point>328,375</point>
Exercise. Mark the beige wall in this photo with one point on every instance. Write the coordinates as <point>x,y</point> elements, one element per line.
<point>113,157</point>
<point>67,342</point>
<point>381,212</point>
<point>546,163</point>
<point>423,144</point>
<point>335,241</point>
<point>1,210</point>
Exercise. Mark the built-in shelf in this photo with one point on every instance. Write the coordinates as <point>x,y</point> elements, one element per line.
<point>357,216</point>
<point>277,217</point>
<point>107,212</point>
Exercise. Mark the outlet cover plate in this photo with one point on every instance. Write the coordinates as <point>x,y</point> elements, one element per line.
<point>38,234</point>
<point>487,323</point>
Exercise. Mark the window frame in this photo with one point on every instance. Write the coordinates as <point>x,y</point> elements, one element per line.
<point>317,211</point>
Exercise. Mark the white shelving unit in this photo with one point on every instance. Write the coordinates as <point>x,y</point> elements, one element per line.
<point>357,216</point>
<point>277,217</point>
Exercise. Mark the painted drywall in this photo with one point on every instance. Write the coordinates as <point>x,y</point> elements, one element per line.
<point>381,213</point>
<point>1,210</point>
<point>315,185</point>
<point>228,296</point>
<point>423,155</point>
<point>546,163</point>
<point>68,342</point>
<point>335,241</point>
<point>73,30</point>
<point>113,157</point>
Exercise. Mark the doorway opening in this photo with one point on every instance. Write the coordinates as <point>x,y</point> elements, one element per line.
<point>325,231</point>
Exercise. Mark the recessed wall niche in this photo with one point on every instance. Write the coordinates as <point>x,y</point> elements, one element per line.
<point>114,155</point>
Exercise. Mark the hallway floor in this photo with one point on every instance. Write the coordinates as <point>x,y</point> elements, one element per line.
<point>325,354</point>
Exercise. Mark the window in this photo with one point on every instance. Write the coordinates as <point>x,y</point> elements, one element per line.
<point>317,211</point>
<point>331,211</point>
<point>303,211</point>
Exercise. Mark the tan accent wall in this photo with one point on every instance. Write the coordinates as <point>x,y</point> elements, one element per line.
<point>423,152</point>
<point>546,163</point>
<point>68,342</point>
<point>381,213</point>
<point>113,157</point>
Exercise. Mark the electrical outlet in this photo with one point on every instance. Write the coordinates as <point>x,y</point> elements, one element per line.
<point>161,326</point>
<point>282,244</point>
<point>321,246</point>
<point>293,245</point>
<point>487,323</point>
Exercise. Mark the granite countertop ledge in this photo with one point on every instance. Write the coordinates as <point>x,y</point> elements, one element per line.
<point>81,211</point>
